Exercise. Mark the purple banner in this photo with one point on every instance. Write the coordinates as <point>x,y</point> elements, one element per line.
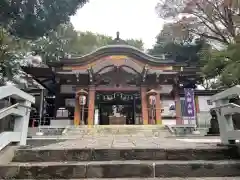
<point>189,103</point>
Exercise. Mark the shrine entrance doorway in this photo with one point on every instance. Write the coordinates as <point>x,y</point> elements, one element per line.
<point>118,108</point>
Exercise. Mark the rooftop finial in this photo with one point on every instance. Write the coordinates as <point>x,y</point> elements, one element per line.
<point>118,36</point>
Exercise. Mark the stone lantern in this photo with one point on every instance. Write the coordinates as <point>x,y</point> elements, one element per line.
<point>152,98</point>
<point>81,97</point>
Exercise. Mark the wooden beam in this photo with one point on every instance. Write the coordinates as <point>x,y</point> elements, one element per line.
<point>129,88</point>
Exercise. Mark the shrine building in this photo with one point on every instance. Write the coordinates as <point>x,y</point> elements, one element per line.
<point>117,84</point>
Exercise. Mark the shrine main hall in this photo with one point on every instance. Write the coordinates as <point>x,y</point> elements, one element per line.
<point>116,84</point>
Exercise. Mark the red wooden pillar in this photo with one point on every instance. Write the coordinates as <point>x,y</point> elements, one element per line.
<point>77,116</point>
<point>178,106</point>
<point>91,104</point>
<point>158,109</point>
<point>144,105</point>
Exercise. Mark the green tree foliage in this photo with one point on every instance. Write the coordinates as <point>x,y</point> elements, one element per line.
<point>177,49</point>
<point>66,41</point>
<point>12,52</point>
<point>88,42</point>
<point>223,65</point>
<point>214,20</point>
<point>56,44</point>
<point>135,43</point>
<point>62,42</point>
<point>188,53</point>
<point>35,18</point>
<point>29,19</point>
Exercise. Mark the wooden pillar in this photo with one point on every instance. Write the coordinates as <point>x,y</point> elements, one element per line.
<point>158,109</point>
<point>77,116</point>
<point>134,110</point>
<point>91,104</point>
<point>177,106</point>
<point>197,109</point>
<point>57,99</point>
<point>144,105</point>
<point>41,108</point>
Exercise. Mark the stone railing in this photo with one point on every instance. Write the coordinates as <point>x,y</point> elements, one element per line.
<point>225,111</point>
<point>20,110</point>
<point>181,130</point>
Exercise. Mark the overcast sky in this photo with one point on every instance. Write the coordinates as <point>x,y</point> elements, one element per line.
<point>132,18</point>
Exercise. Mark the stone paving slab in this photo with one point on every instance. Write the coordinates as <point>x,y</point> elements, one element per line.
<point>113,154</point>
<point>130,162</point>
<point>212,178</point>
<point>120,169</point>
<point>112,141</point>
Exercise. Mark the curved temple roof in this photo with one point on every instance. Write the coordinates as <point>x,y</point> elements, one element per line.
<point>118,49</point>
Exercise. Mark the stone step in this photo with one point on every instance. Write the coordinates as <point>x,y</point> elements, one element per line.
<point>160,133</point>
<point>117,130</point>
<point>176,178</point>
<point>120,169</point>
<point>54,155</point>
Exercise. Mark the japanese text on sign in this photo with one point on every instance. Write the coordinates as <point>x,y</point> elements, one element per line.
<point>189,102</point>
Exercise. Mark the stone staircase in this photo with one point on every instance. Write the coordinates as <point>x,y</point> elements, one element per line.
<point>86,163</point>
<point>122,153</point>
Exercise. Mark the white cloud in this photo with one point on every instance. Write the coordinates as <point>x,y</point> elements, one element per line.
<point>132,18</point>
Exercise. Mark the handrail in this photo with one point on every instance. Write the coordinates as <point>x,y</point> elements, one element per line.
<point>226,105</point>
<point>227,94</point>
<point>12,91</point>
<point>21,112</point>
<point>8,108</point>
<point>13,106</point>
<point>28,107</point>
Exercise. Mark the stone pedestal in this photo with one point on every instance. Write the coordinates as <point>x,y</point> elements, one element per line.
<point>113,120</point>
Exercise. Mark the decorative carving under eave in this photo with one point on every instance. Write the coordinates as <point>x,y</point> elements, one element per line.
<point>157,78</point>
<point>103,82</point>
<point>132,81</point>
<point>91,75</point>
<point>77,77</point>
<point>144,73</point>
<point>117,77</point>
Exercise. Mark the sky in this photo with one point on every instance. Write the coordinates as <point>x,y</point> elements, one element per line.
<point>135,19</point>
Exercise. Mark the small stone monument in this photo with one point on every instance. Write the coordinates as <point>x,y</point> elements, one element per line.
<point>214,126</point>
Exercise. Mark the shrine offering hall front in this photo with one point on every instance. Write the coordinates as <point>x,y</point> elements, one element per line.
<point>117,84</point>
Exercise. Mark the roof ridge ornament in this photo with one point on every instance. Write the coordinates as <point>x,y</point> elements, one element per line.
<point>118,40</point>
<point>118,36</point>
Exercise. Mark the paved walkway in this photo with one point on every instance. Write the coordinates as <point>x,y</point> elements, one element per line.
<point>131,141</point>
